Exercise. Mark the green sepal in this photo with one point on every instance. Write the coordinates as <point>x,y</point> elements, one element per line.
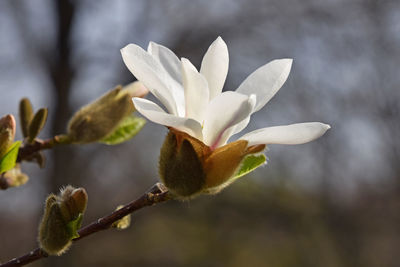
<point>249,164</point>
<point>74,225</point>
<point>127,129</point>
<point>10,158</point>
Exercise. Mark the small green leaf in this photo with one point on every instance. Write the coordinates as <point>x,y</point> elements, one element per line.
<point>9,159</point>
<point>73,226</point>
<point>250,163</point>
<point>127,129</point>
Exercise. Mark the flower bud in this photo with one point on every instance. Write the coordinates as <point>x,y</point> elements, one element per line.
<point>62,217</point>
<point>123,223</point>
<point>7,133</point>
<point>188,167</point>
<point>100,118</point>
<point>13,178</point>
<point>25,115</point>
<point>73,202</point>
<point>37,124</point>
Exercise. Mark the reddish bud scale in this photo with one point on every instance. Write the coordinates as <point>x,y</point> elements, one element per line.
<point>7,133</point>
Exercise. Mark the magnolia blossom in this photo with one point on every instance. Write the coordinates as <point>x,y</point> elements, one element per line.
<point>195,103</point>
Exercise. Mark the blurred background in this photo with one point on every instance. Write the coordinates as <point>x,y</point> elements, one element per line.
<point>332,202</point>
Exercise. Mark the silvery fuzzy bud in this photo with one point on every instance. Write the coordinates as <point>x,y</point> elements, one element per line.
<point>100,118</point>
<point>7,133</point>
<point>54,231</point>
<point>188,167</point>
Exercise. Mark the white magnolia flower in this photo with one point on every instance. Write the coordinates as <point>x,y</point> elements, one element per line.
<point>195,158</point>
<point>195,102</point>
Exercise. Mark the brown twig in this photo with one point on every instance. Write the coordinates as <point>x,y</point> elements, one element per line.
<point>157,194</point>
<point>29,149</point>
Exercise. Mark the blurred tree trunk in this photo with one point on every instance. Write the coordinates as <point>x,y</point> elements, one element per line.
<point>387,108</point>
<point>62,75</point>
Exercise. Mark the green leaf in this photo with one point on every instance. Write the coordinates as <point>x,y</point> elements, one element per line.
<point>250,163</point>
<point>127,129</point>
<point>73,226</point>
<point>9,159</point>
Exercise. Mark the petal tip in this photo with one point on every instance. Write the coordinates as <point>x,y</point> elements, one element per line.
<point>326,126</point>
<point>150,46</point>
<point>125,49</point>
<point>288,61</point>
<point>219,42</point>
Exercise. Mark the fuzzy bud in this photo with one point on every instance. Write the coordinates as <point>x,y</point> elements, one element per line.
<point>73,202</point>
<point>37,124</point>
<point>123,223</point>
<point>181,168</point>
<point>7,133</point>
<point>25,115</point>
<point>100,118</point>
<point>62,217</point>
<point>13,178</point>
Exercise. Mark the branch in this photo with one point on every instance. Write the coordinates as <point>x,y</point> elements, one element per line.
<point>27,152</point>
<point>157,194</point>
<point>29,149</point>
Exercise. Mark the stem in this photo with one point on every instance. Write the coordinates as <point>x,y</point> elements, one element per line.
<point>157,194</point>
<point>28,149</point>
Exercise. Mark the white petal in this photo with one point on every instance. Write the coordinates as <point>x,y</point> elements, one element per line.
<point>292,134</point>
<point>223,112</point>
<point>167,59</point>
<point>196,91</point>
<point>215,66</point>
<point>172,66</point>
<point>148,71</point>
<point>240,126</point>
<point>243,124</point>
<point>266,81</point>
<point>154,113</point>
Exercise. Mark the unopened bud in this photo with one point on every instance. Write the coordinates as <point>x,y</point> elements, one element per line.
<point>7,133</point>
<point>37,124</point>
<point>188,167</point>
<point>25,115</point>
<point>74,201</point>
<point>100,118</point>
<point>61,219</point>
<point>122,223</point>
<point>13,178</point>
